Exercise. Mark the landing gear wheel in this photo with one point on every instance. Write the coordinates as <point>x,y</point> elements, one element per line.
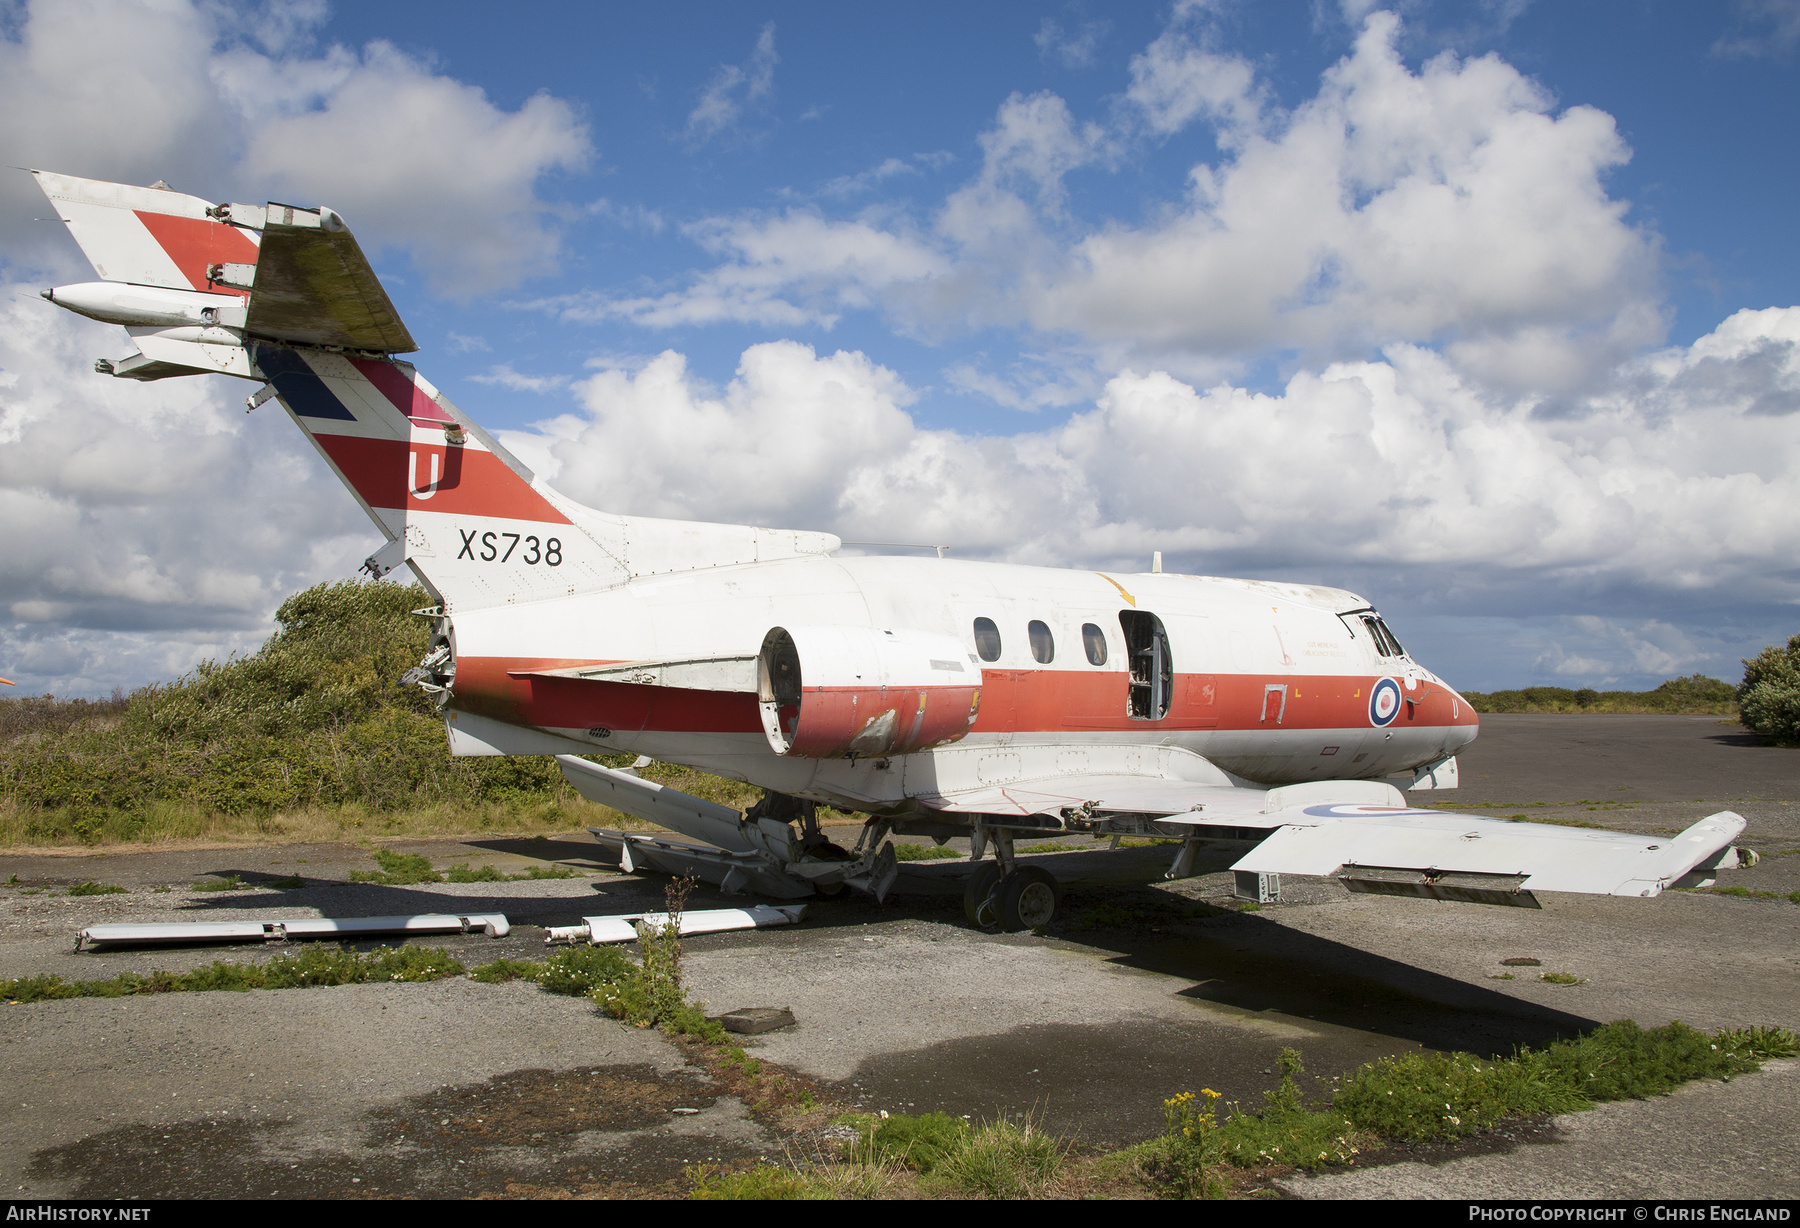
<point>979,903</point>
<point>830,891</point>
<point>1028,899</point>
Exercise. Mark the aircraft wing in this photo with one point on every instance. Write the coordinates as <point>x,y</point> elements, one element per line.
<point>1364,834</point>
<point>1454,856</point>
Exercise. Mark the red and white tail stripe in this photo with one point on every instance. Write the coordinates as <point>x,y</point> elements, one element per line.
<point>474,525</point>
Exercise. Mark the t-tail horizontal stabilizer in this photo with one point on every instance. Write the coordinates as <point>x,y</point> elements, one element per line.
<point>194,282</point>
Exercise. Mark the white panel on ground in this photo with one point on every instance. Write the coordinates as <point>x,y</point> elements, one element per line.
<point>623,927</point>
<point>179,933</point>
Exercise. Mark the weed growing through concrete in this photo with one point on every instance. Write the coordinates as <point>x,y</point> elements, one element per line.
<point>93,888</point>
<point>1742,893</point>
<point>920,1142</point>
<point>502,970</point>
<point>314,966</point>
<point>398,870</point>
<point>489,874</point>
<point>292,882</point>
<point>229,883</point>
<point>1560,978</point>
<point>1002,1159</point>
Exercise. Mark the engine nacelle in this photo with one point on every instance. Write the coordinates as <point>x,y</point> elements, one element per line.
<point>841,692</point>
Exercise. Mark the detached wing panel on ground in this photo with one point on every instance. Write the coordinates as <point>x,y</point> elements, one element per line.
<point>1408,851</point>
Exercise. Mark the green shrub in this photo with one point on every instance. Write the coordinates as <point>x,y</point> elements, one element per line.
<point>92,888</point>
<point>312,718</point>
<point>1695,694</point>
<point>1769,697</point>
<point>581,971</point>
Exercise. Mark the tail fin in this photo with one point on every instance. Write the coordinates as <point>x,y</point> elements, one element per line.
<point>454,504</point>
<point>284,295</point>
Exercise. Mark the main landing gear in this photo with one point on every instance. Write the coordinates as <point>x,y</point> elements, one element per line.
<point>1003,894</point>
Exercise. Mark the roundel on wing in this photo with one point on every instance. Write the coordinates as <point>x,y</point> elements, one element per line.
<point>1384,702</point>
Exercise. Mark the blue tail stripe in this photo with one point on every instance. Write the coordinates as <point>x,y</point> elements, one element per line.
<point>304,392</point>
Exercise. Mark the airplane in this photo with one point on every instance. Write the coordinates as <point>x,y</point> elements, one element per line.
<point>936,697</point>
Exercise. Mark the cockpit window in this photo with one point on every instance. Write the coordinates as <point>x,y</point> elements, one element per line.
<point>1094,641</point>
<point>987,639</point>
<point>1043,647</point>
<point>1385,643</point>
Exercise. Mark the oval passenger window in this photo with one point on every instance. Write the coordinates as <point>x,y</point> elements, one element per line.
<point>1094,640</point>
<point>987,639</point>
<point>1043,648</point>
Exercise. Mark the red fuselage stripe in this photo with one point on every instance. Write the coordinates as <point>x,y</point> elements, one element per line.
<point>1012,701</point>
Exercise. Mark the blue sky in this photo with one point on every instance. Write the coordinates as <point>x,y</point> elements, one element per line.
<point>1442,302</point>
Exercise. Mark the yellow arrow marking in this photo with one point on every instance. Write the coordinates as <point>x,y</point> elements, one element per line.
<point>1120,587</point>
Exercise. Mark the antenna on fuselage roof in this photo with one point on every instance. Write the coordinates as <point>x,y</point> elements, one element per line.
<point>902,546</point>
<point>1156,562</point>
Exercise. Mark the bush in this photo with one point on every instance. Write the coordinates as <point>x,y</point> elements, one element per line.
<point>1697,694</point>
<point>313,718</point>
<point>1769,696</point>
<point>582,971</point>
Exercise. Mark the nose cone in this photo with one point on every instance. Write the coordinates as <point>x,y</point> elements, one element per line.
<point>47,294</point>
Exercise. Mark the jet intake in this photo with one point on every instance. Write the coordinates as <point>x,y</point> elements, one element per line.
<point>844,692</point>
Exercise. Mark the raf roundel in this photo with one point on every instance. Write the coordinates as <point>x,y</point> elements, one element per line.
<point>1384,703</point>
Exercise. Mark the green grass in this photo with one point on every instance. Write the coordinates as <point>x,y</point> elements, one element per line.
<point>924,852</point>
<point>1742,893</point>
<point>292,882</point>
<point>92,888</point>
<point>1559,978</point>
<point>1001,1159</point>
<point>764,1183</point>
<point>399,870</point>
<point>314,966</point>
<point>919,1142</point>
<point>502,970</point>
<point>229,883</point>
<point>1426,1097</point>
<point>488,874</point>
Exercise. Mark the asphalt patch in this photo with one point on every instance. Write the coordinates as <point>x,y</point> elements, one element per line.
<point>604,1132</point>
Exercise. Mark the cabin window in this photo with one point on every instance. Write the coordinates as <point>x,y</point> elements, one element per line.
<point>1094,641</point>
<point>987,639</point>
<point>1152,670</point>
<point>1043,647</point>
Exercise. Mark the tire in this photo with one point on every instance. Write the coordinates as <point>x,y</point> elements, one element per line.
<point>979,903</point>
<point>1028,899</point>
